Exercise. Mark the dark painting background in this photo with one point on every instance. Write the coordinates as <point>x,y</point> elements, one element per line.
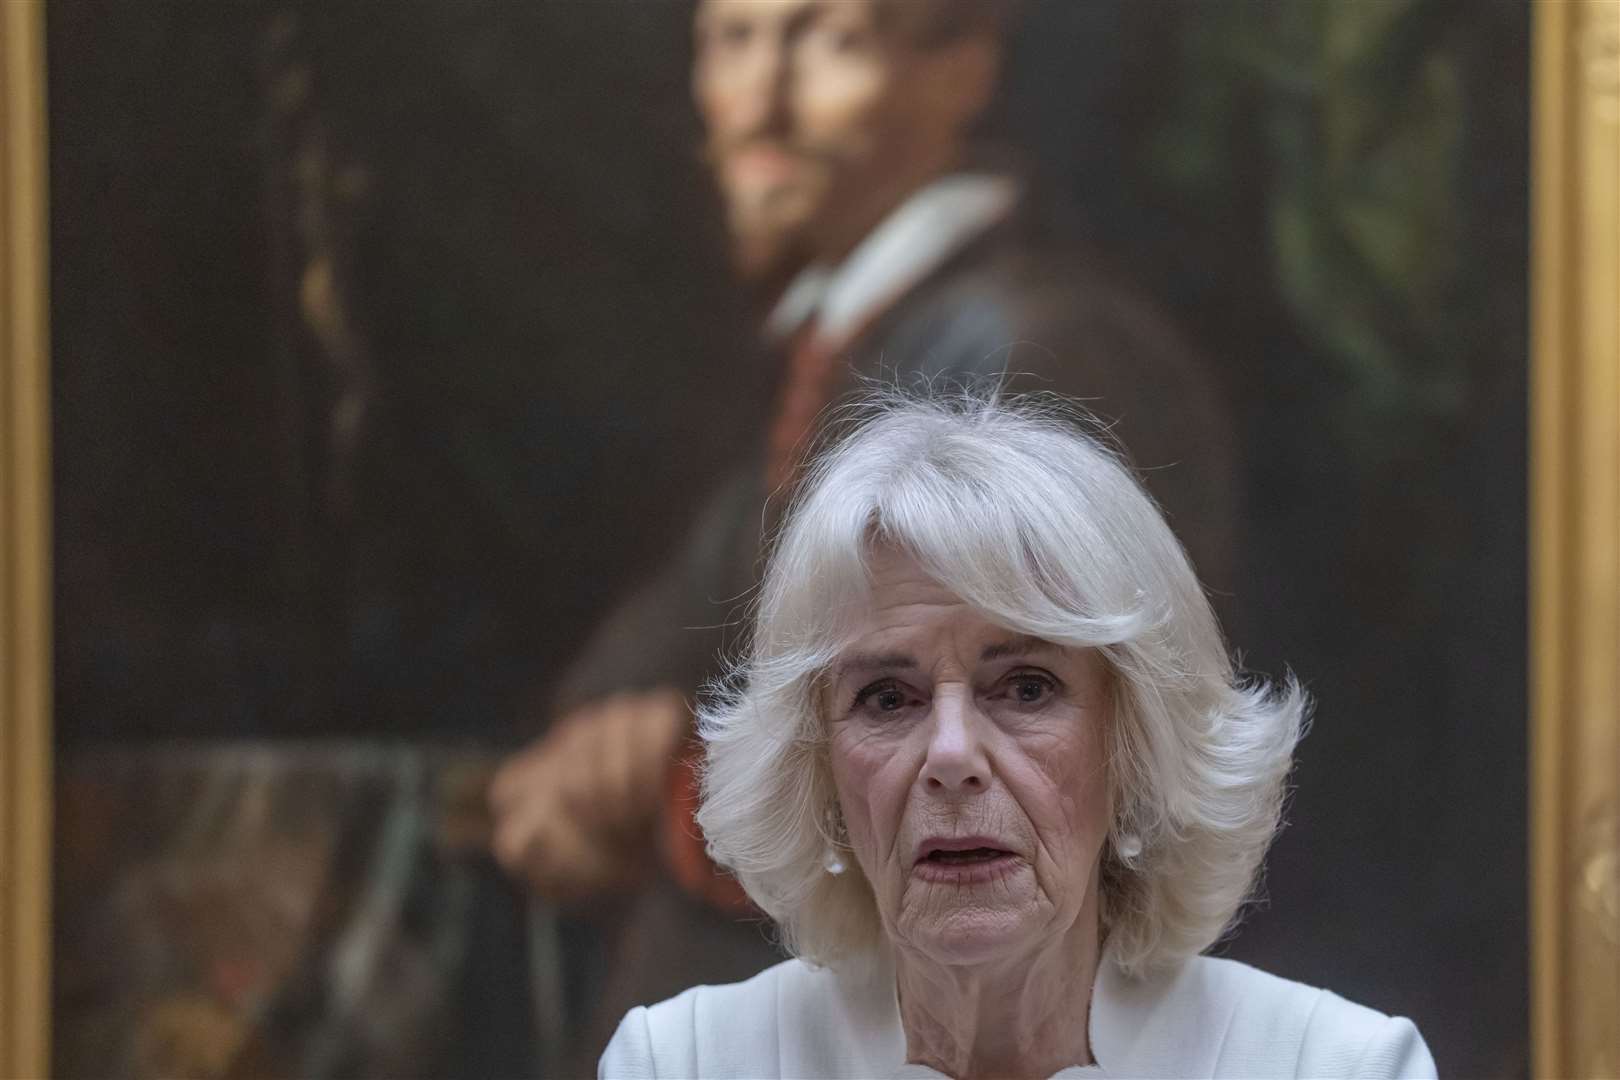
<point>393,342</point>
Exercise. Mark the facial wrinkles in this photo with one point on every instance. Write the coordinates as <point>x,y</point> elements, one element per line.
<point>948,684</point>
<point>1042,771</point>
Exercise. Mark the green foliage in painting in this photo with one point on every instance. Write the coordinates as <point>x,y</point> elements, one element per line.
<point>1373,119</point>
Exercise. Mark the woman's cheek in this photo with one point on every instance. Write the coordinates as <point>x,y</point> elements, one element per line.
<point>872,789</point>
<point>875,828</point>
<point>851,780</point>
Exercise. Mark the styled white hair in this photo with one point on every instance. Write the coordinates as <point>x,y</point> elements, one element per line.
<point>1019,507</point>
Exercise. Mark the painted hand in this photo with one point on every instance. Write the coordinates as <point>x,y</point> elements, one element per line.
<point>575,811</point>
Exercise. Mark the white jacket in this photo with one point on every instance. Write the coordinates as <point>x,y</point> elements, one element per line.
<point>1204,1018</point>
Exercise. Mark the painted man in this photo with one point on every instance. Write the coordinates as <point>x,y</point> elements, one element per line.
<point>842,137</point>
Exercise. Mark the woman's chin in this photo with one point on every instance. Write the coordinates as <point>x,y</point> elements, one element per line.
<point>972,936</point>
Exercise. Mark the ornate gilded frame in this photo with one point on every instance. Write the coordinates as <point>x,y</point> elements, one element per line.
<point>1575,544</point>
<point>1575,541</point>
<point>25,627</point>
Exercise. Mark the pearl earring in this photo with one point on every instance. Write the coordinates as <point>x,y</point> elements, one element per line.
<point>833,861</point>
<point>1129,846</point>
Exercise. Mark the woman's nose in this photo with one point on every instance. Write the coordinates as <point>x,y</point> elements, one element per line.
<point>956,763</point>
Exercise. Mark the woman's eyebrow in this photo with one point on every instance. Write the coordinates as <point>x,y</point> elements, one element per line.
<point>862,662</point>
<point>1022,645</point>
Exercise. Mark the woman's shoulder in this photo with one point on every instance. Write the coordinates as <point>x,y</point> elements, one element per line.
<point>1204,1017</point>
<point>1270,1025</point>
<point>790,1019</point>
<point>675,1037</point>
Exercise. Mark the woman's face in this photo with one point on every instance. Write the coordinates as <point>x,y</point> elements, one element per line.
<point>969,766</point>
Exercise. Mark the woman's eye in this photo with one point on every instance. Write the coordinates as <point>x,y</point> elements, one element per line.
<point>1030,689</point>
<point>881,697</point>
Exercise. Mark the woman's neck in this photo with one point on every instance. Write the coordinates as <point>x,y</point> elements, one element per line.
<point>1026,1016</point>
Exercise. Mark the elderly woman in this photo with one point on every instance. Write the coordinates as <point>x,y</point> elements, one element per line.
<point>989,767</point>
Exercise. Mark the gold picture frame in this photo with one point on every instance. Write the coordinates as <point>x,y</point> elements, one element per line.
<point>1574,536</point>
<point>1575,541</point>
<point>25,625</point>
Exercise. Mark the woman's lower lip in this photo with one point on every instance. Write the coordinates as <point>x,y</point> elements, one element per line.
<point>970,873</point>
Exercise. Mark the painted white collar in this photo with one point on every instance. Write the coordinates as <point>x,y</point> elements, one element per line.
<point>916,237</point>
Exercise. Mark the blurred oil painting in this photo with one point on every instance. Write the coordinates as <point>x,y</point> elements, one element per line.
<point>426,375</point>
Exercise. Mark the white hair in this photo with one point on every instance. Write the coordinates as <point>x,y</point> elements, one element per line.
<point>1020,508</point>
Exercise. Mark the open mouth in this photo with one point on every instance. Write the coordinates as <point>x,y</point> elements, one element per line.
<point>955,862</point>
<point>968,857</point>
